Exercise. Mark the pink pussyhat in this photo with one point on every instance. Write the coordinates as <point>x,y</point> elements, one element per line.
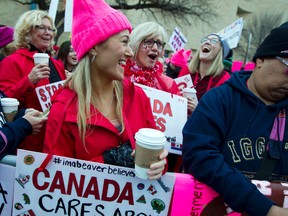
<point>6,35</point>
<point>180,58</point>
<point>94,21</point>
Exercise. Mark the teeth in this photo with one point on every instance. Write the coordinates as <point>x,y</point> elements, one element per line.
<point>122,62</point>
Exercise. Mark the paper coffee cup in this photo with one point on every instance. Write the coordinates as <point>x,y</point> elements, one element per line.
<point>149,145</point>
<point>9,107</point>
<point>190,93</point>
<point>41,58</point>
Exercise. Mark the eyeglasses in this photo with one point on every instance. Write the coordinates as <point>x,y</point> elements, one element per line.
<point>150,43</point>
<point>284,61</point>
<point>44,29</point>
<point>211,40</point>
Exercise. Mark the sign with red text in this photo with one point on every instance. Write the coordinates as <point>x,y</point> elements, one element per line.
<point>177,40</point>
<point>73,187</point>
<point>6,188</point>
<point>202,200</point>
<point>232,33</point>
<point>170,114</point>
<point>45,92</point>
<point>184,82</point>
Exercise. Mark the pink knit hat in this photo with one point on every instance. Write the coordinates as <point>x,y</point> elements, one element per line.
<point>180,58</point>
<point>94,21</point>
<point>6,35</point>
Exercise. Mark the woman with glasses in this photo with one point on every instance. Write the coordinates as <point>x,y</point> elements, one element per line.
<point>147,43</point>
<point>206,66</point>
<point>239,132</point>
<point>19,76</point>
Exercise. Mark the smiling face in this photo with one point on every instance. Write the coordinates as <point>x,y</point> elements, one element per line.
<point>210,47</point>
<point>71,58</point>
<point>111,57</point>
<point>269,81</point>
<point>150,49</point>
<point>42,35</point>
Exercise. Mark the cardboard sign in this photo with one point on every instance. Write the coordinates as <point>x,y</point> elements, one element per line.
<point>177,40</point>
<point>76,187</point>
<point>192,197</point>
<point>45,92</point>
<point>184,82</point>
<point>170,114</point>
<point>6,188</point>
<point>232,33</point>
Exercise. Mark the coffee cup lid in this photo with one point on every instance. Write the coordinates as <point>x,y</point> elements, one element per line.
<point>40,55</point>
<point>189,90</point>
<point>150,136</point>
<point>10,101</point>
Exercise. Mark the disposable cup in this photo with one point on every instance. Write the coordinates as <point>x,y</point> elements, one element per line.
<point>9,107</point>
<point>41,58</point>
<point>190,93</point>
<point>149,145</point>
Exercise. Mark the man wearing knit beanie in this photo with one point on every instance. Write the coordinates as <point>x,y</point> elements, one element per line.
<point>239,132</point>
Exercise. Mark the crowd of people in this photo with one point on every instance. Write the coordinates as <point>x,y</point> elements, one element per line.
<point>235,133</point>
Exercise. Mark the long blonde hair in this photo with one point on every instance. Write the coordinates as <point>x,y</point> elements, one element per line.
<point>81,83</point>
<point>215,69</point>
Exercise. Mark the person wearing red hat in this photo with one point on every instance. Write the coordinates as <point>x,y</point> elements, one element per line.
<point>19,76</point>
<point>6,39</point>
<point>97,114</point>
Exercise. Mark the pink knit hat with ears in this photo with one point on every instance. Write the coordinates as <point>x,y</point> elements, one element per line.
<point>94,21</point>
<point>180,58</point>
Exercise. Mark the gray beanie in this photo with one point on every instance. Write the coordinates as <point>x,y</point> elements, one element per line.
<point>224,43</point>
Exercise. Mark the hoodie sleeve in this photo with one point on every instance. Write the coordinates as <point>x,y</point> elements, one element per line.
<point>203,135</point>
<point>12,134</point>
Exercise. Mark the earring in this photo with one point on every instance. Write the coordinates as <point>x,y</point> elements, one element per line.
<point>93,58</point>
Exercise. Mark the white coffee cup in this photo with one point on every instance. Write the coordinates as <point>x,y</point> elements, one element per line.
<point>149,145</point>
<point>9,107</point>
<point>190,93</point>
<point>41,58</point>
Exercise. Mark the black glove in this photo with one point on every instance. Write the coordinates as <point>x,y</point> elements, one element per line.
<point>119,156</point>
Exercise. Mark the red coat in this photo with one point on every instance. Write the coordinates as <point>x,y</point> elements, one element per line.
<point>14,82</point>
<point>104,135</point>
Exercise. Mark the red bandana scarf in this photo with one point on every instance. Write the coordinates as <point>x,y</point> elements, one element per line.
<point>144,76</point>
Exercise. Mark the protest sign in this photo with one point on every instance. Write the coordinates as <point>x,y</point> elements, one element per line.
<point>232,33</point>
<point>76,187</point>
<point>45,92</point>
<point>202,200</point>
<point>170,114</point>
<point>177,40</point>
<point>6,188</point>
<point>184,82</point>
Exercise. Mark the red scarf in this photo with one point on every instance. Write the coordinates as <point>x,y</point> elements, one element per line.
<point>141,75</point>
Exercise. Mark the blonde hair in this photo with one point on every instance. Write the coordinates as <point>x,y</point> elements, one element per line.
<point>80,82</point>
<point>8,49</point>
<point>143,31</point>
<point>215,69</point>
<point>28,21</point>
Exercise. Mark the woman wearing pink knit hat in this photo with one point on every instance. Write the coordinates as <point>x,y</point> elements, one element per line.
<point>6,39</point>
<point>97,114</point>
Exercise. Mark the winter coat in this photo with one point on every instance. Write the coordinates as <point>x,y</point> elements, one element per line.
<point>103,135</point>
<point>227,134</point>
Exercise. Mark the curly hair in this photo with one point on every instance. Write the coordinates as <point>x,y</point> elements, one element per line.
<point>28,21</point>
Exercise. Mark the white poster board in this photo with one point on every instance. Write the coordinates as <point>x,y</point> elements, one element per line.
<point>232,33</point>
<point>7,174</point>
<point>68,16</point>
<point>177,40</point>
<point>45,92</point>
<point>76,187</point>
<point>184,82</point>
<point>170,114</point>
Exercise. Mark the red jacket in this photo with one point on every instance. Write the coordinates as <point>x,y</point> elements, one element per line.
<point>14,82</point>
<point>62,135</point>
